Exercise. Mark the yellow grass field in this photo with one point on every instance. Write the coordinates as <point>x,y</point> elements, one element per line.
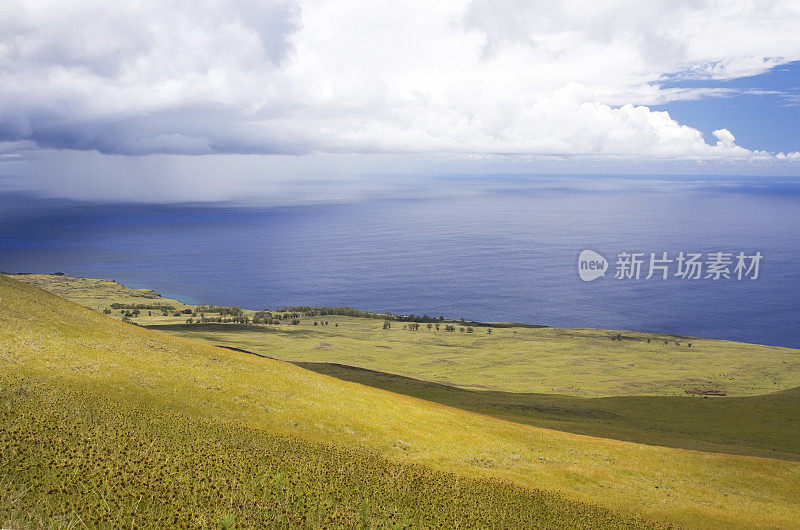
<point>59,344</point>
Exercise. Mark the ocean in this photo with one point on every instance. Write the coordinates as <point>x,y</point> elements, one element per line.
<point>501,248</point>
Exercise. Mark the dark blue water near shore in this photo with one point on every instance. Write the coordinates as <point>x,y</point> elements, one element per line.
<point>494,249</point>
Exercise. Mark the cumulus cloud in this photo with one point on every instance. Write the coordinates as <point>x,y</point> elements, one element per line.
<point>644,40</point>
<point>511,77</point>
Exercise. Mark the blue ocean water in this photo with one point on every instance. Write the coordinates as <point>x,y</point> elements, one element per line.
<point>500,248</point>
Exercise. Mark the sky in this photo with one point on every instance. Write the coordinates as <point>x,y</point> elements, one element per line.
<point>162,100</point>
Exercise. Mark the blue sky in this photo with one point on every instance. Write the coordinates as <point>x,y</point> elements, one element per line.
<point>762,111</point>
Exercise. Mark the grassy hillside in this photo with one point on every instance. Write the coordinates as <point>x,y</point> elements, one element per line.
<point>50,344</point>
<point>767,425</point>
<point>741,423</point>
<point>95,293</point>
<point>572,362</point>
<point>74,457</point>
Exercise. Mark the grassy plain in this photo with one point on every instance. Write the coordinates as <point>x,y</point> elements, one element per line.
<point>571,362</point>
<point>50,344</point>
<point>767,425</point>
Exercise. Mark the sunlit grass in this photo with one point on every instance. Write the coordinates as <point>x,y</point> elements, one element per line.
<point>73,458</point>
<point>577,362</point>
<point>62,345</point>
<point>573,362</point>
<point>766,425</point>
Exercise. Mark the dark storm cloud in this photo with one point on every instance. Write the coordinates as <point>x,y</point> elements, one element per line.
<point>154,77</point>
<point>474,78</point>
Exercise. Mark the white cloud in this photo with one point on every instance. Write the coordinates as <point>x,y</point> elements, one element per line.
<point>724,138</point>
<point>478,78</point>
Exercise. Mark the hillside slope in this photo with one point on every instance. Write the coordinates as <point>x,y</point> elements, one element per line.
<point>51,343</point>
<point>519,359</point>
<point>72,457</point>
<point>766,425</point>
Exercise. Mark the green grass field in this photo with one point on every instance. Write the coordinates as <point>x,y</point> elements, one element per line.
<point>571,362</point>
<point>767,425</point>
<point>128,394</point>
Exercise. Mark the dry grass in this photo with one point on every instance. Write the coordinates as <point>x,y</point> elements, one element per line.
<point>573,362</point>
<point>48,339</point>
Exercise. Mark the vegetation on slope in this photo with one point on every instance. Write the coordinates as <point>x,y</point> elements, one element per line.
<point>757,425</point>
<point>767,425</point>
<point>95,293</point>
<point>573,362</point>
<point>72,457</point>
<point>61,346</point>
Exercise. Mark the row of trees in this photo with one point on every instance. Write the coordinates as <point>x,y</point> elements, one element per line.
<point>220,310</point>
<point>618,336</point>
<point>238,319</point>
<point>414,326</point>
<point>234,314</point>
<point>156,307</point>
<point>290,313</point>
<point>267,317</point>
<point>350,312</point>
<point>325,311</point>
